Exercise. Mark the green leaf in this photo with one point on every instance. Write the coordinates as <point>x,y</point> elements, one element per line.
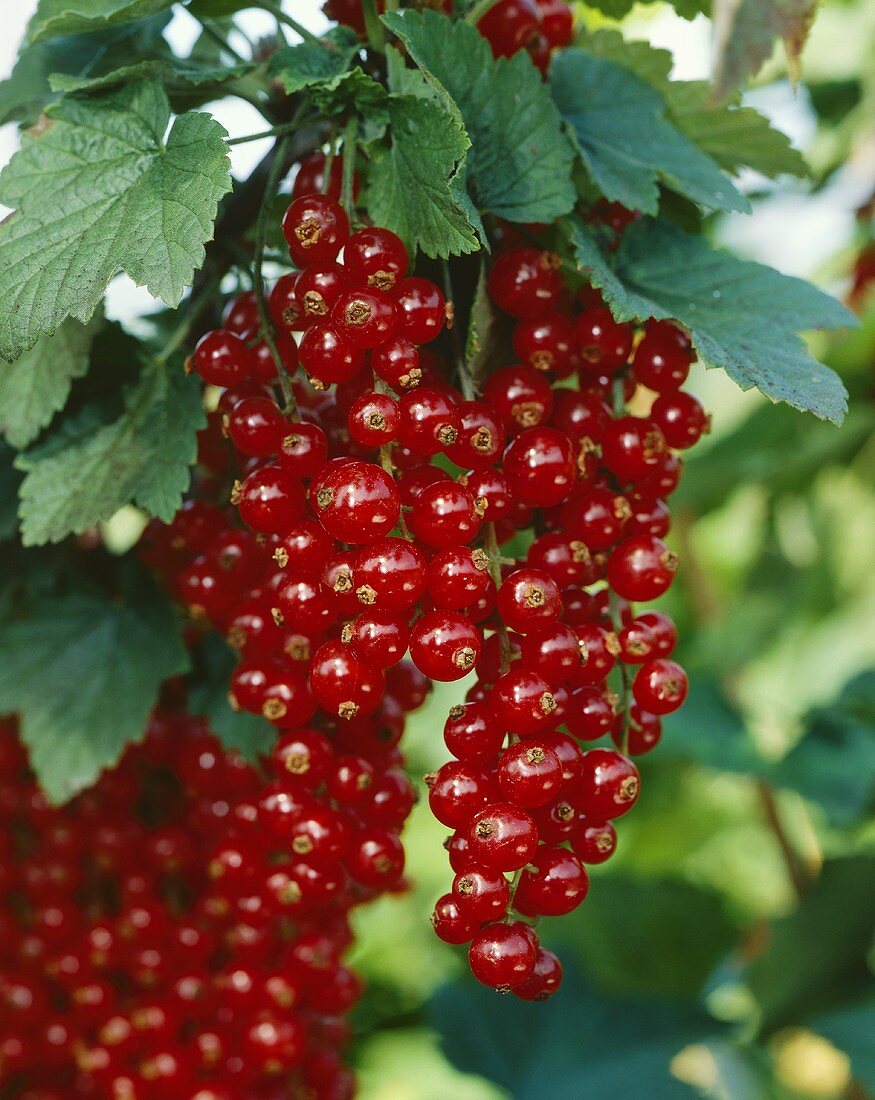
<point>710,731</point>
<point>248,734</point>
<point>816,957</point>
<point>144,456</point>
<point>57,17</point>
<point>105,659</point>
<point>647,937</point>
<point>309,63</point>
<point>25,93</point>
<point>625,140</point>
<point>519,165</point>
<point>99,191</point>
<point>832,762</point>
<point>36,386</point>
<point>743,317</point>
<point>745,32</point>
<point>734,136</point>
<point>410,184</point>
<point>575,1045</point>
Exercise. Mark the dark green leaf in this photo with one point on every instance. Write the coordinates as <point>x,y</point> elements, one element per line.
<point>834,761</point>
<point>850,1028</point>
<point>99,191</point>
<point>627,143</point>
<point>638,936</point>
<point>10,479</point>
<point>817,956</point>
<point>746,31</point>
<point>36,386</point>
<point>410,185</point>
<point>177,74</point>
<point>144,456</point>
<point>709,730</point>
<point>249,734</point>
<point>105,660</point>
<point>57,17</point>
<point>743,317</point>
<point>618,9</point>
<point>519,166</point>
<point>576,1045</point>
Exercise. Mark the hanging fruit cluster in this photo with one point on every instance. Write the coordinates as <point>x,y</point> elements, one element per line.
<point>192,949</point>
<point>387,510</point>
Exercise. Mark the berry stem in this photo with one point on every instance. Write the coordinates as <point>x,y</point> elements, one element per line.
<point>373,26</point>
<point>477,10</point>
<point>329,161</point>
<point>347,184</point>
<point>494,552</point>
<point>796,871</point>
<point>265,329</point>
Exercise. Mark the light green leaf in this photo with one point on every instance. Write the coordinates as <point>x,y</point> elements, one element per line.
<point>35,387</point>
<point>144,456</point>
<point>98,191</point>
<point>105,659</point>
<point>56,17</point>
<point>519,166</point>
<point>625,140</point>
<point>743,317</point>
<point>410,183</point>
<point>745,32</point>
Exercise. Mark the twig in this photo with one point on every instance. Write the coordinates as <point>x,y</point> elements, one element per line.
<point>211,32</point>
<point>264,324</point>
<point>795,869</point>
<point>277,12</point>
<point>373,26</point>
<point>274,131</point>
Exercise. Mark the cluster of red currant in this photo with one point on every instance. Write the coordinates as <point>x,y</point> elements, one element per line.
<point>190,950</point>
<point>539,26</point>
<point>522,797</point>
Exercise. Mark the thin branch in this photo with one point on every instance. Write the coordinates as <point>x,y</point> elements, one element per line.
<point>347,185</point>
<point>275,131</point>
<point>277,12</point>
<point>211,32</point>
<point>796,871</point>
<point>476,12</point>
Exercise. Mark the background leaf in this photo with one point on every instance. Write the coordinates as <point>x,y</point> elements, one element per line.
<point>626,143</point>
<point>743,317</point>
<point>745,33</point>
<point>105,659</point>
<point>97,192</point>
